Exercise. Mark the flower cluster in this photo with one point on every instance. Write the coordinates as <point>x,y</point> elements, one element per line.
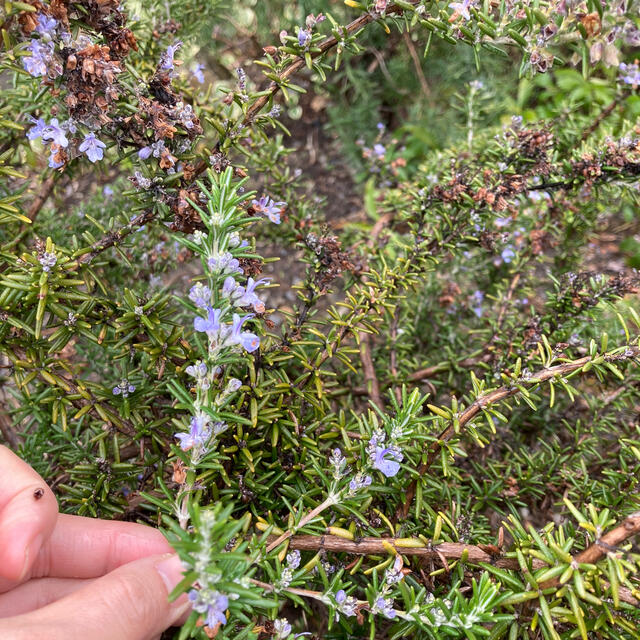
<point>124,388</point>
<point>226,335</point>
<point>346,605</point>
<point>212,603</point>
<point>42,62</point>
<point>286,577</point>
<point>48,260</point>
<point>245,296</point>
<point>630,74</point>
<point>56,134</point>
<point>199,371</point>
<point>208,599</point>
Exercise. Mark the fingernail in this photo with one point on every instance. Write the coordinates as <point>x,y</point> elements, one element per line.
<point>171,571</point>
<point>30,554</point>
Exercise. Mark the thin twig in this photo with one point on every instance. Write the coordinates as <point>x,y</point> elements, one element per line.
<point>393,355</point>
<point>416,63</point>
<point>369,370</point>
<point>43,196</point>
<point>491,397</point>
<point>323,47</point>
<point>605,113</point>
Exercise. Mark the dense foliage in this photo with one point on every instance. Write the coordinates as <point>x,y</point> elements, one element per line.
<point>430,427</point>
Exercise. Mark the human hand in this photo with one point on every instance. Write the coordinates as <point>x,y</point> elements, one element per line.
<point>68,577</point>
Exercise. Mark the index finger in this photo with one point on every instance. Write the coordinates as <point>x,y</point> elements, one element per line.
<point>28,514</point>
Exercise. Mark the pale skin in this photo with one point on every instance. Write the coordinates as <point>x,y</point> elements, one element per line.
<point>66,577</point>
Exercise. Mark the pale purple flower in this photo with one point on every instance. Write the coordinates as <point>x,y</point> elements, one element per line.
<point>231,289</point>
<point>46,25</point>
<point>358,482</point>
<point>185,114</point>
<point>250,341</point>
<point>476,300</point>
<point>293,559</point>
<point>385,607</point>
<point>38,128</point>
<point>55,133</point>
<point>379,150</point>
<point>462,8</point>
<point>124,388</point>
<point>211,324</point>
<point>197,72</point>
<point>387,460</point>
<point>48,261</point>
<point>249,298</point>
<point>242,79</point>
<point>92,147</point>
<point>347,605</point>
<point>282,629</point>
<point>507,255</point>
<point>311,21</point>
<point>212,603</point>
<point>337,461</point>
<point>154,149</point>
<point>224,262</point>
<point>198,370</point>
<point>394,574</point>
<point>233,385</point>
<point>503,222</point>
<point>200,295</point>
<point>167,62</point>
<point>198,434</point>
<point>269,208</point>
<point>630,74</point>
<point>37,64</point>
<point>304,38</point>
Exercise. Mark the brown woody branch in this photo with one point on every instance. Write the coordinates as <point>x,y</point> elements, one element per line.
<point>491,397</point>
<point>603,545</point>
<point>475,554</point>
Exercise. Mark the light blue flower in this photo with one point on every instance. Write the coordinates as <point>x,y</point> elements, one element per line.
<point>198,434</point>
<point>212,603</point>
<point>200,295</point>
<point>629,73</point>
<point>387,460</point>
<point>167,60</point>
<point>46,25</point>
<point>507,255</point>
<point>211,324</point>
<point>37,64</point>
<point>197,73</point>
<point>92,147</point>
<point>269,208</point>
<point>37,130</point>
<point>304,38</point>
<point>55,133</point>
<point>249,297</point>
<point>250,341</point>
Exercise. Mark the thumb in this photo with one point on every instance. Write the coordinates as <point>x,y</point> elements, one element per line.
<point>130,603</point>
